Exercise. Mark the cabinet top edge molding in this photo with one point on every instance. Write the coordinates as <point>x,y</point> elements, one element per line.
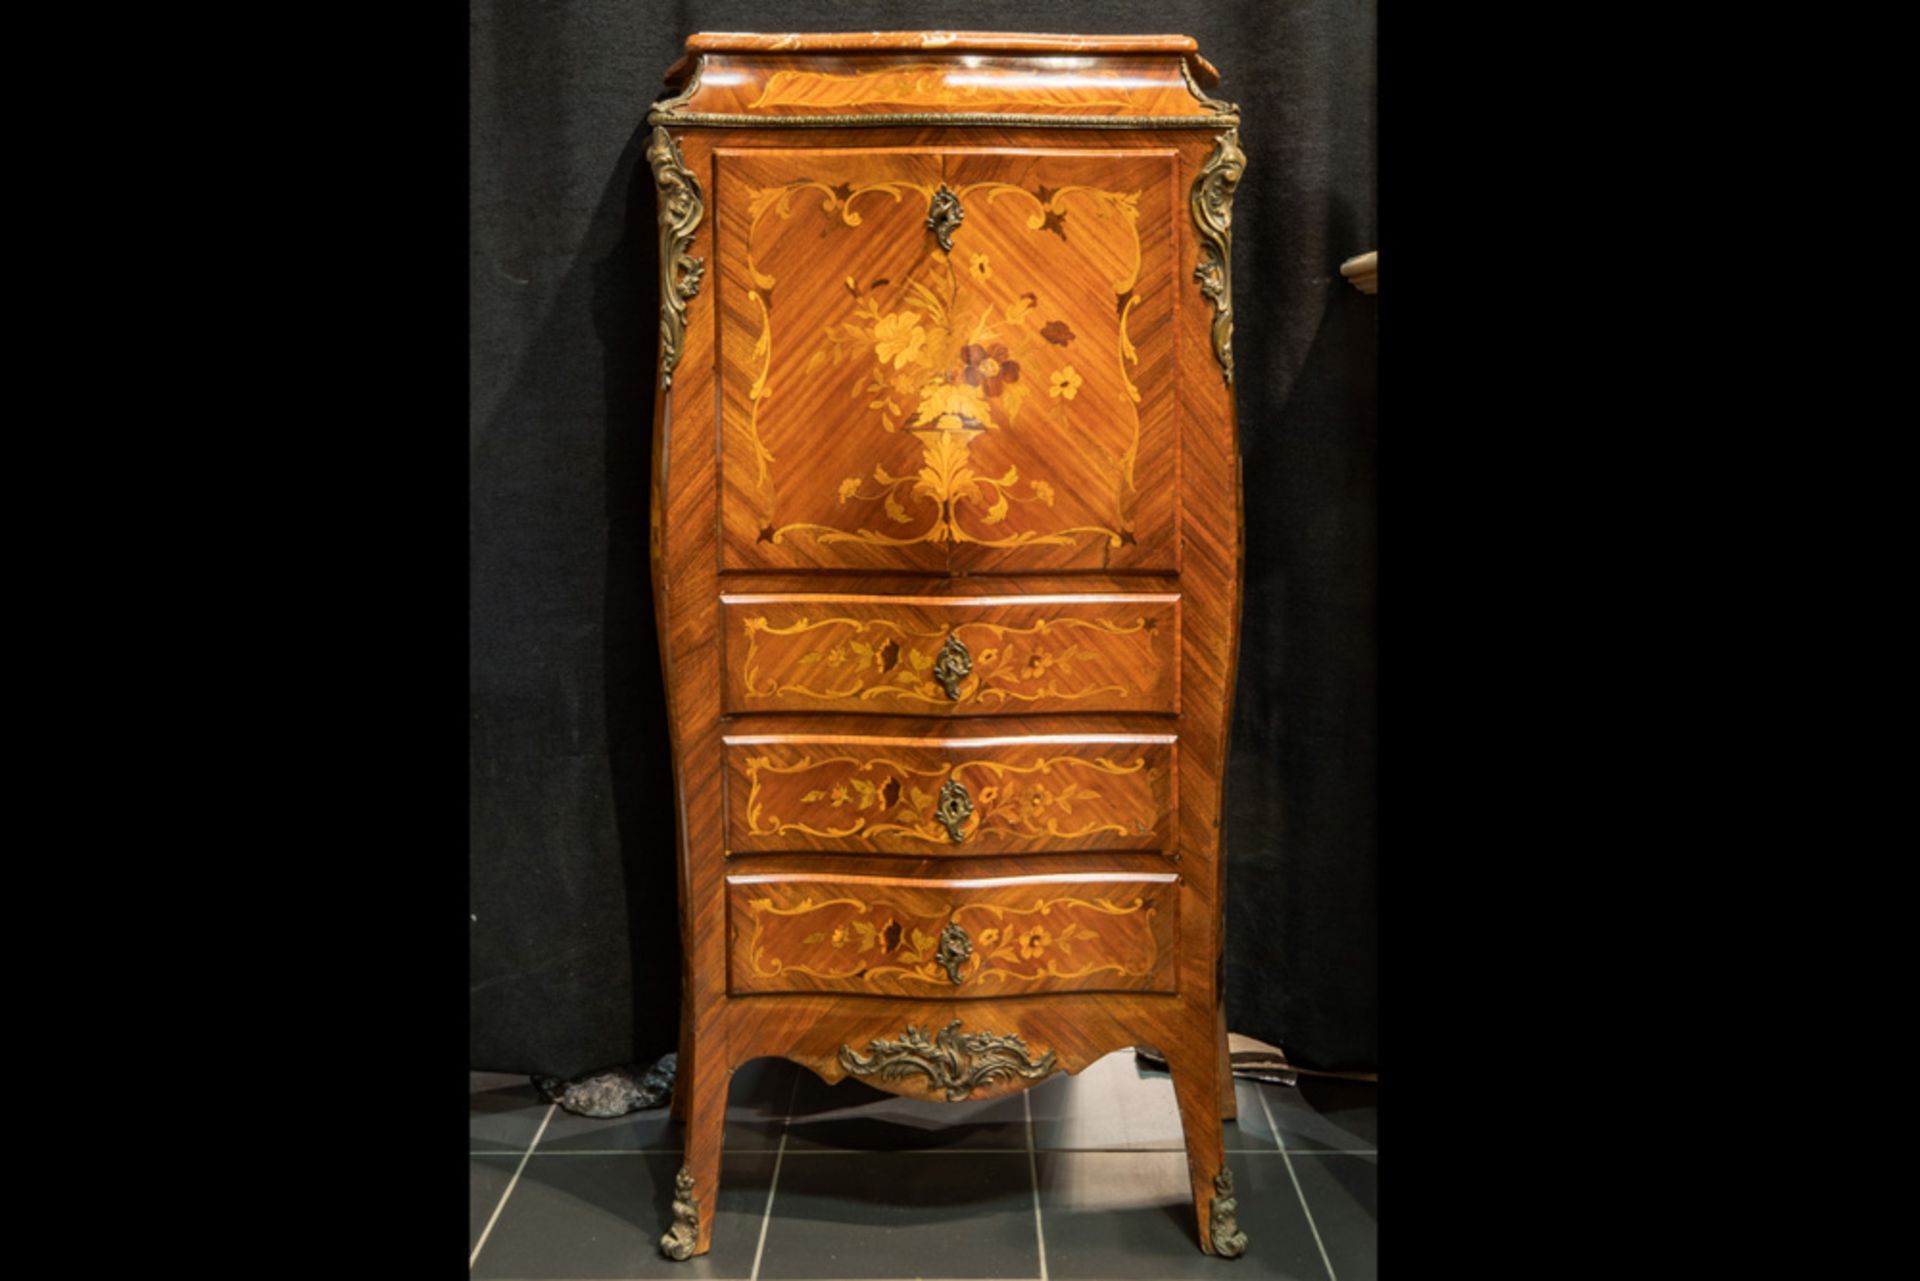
<point>942,77</point>
<point>949,41</point>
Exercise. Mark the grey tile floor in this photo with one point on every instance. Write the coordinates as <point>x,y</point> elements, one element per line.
<point>1081,1177</point>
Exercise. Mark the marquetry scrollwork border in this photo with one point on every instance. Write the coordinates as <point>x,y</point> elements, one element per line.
<point>952,410</point>
<point>1212,206</point>
<point>871,664</point>
<point>1006,811</point>
<point>879,946</point>
<point>681,208</point>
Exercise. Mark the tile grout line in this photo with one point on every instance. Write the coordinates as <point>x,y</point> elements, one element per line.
<point>1297,1189</point>
<point>1033,1170</point>
<point>773,1184</point>
<point>511,1184</point>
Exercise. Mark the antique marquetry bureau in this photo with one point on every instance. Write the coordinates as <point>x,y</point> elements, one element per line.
<point>946,551</point>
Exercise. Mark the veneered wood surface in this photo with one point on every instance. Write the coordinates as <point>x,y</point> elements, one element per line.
<point>1003,406</point>
<point>833,1033</point>
<point>877,654</point>
<point>1029,42</point>
<point>879,936</point>
<point>804,234</point>
<point>906,72</point>
<point>843,86</point>
<point>1070,865</point>
<point>878,795</point>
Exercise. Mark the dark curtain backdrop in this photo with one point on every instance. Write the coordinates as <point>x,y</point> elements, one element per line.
<point>575,942</point>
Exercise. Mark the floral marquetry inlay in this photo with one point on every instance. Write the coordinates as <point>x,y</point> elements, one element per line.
<point>951,363</point>
<point>873,794</point>
<point>881,661</point>
<point>889,942</point>
<point>1007,362</point>
<point>878,796</point>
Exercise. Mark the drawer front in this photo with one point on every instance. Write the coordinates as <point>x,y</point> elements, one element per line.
<point>946,656</point>
<point>1001,403</point>
<point>959,796</point>
<point>958,938</point>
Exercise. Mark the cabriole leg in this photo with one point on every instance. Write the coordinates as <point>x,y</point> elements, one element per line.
<point>677,1108</point>
<point>703,1086</point>
<point>1229,1103</point>
<point>1197,1076</point>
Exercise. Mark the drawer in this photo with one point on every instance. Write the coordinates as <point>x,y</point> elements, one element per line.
<point>950,796</point>
<point>961,938</point>
<point>952,656</point>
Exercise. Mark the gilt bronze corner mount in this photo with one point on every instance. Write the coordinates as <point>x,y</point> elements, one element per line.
<point>682,206</point>
<point>1211,203</point>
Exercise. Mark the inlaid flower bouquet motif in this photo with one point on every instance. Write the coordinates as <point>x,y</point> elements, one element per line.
<point>943,360</point>
<point>946,368</point>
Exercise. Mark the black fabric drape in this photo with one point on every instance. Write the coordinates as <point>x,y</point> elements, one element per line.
<point>575,947</point>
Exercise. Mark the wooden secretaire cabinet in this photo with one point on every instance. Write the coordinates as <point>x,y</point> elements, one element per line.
<point>946,555</point>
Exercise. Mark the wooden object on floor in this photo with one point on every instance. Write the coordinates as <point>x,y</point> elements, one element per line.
<point>946,554</point>
<point>1363,270</point>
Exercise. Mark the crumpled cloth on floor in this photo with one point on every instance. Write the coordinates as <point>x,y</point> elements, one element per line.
<point>614,1092</point>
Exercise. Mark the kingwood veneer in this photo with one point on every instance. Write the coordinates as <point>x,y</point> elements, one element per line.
<point>946,553</point>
